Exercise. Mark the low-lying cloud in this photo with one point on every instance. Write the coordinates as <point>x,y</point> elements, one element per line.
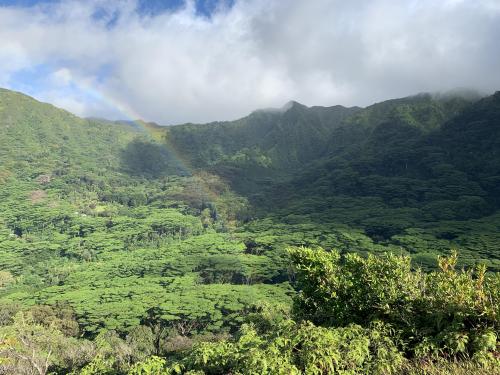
<point>104,60</point>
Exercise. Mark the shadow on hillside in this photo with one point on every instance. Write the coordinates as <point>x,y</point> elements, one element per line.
<point>143,157</point>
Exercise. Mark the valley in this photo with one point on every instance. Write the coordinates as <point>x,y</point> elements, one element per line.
<point>127,241</point>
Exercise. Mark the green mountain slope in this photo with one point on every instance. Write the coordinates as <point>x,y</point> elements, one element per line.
<point>400,183</point>
<point>122,240</point>
<point>98,217</point>
<point>278,143</point>
<point>406,166</point>
<point>391,170</point>
<point>283,138</point>
<point>295,135</point>
<point>39,138</point>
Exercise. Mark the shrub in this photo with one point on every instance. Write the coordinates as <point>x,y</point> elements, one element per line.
<point>445,312</point>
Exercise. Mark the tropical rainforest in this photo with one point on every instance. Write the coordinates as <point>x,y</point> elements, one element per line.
<point>298,240</point>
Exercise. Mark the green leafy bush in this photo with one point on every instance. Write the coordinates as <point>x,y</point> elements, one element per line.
<point>446,312</point>
<point>293,348</point>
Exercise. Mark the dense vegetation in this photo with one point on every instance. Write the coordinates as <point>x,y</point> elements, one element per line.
<point>133,248</point>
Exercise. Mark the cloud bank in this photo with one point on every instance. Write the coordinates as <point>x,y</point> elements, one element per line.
<point>97,59</point>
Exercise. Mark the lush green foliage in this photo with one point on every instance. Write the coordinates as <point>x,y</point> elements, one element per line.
<point>404,316</point>
<point>445,312</point>
<point>418,173</point>
<point>130,247</point>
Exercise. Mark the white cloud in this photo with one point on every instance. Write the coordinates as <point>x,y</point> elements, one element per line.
<point>178,66</point>
<point>62,76</point>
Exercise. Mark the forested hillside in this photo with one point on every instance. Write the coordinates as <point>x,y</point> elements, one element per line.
<point>418,174</point>
<point>296,240</point>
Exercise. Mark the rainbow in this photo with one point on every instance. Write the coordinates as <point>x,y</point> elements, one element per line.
<point>131,116</point>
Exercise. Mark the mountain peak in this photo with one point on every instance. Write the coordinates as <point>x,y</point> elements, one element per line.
<point>289,105</point>
<point>292,104</point>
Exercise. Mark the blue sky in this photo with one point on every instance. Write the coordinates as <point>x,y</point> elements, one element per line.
<point>149,7</point>
<point>201,60</point>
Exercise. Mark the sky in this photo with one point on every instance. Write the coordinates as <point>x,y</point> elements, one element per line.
<point>176,61</point>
